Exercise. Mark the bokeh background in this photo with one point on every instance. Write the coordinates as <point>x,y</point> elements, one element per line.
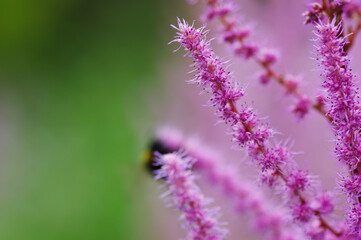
<point>73,78</point>
<point>83,86</point>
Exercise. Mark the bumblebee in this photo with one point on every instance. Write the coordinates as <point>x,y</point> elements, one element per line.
<point>155,145</point>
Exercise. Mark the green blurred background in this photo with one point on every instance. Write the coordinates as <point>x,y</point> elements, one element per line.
<point>74,76</point>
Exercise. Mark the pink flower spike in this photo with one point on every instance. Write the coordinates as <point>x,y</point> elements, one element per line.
<point>237,36</point>
<point>184,195</point>
<point>271,221</point>
<point>344,109</point>
<point>246,128</point>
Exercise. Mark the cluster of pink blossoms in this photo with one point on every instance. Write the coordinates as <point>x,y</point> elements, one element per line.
<point>186,196</point>
<point>269,220</point>
<point>238,37</point>
<point>277,167</point>
<point>343,101</point>
<point>308,207</point>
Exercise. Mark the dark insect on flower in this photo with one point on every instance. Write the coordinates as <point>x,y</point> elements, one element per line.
<point>155,146</point>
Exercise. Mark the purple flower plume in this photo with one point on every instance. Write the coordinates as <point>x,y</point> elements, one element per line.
<point>344,108</point>
<point>269,220</point>
<point>341,93</point>
<point>238,37</point>
<point>210,74</point>
<point>199,221</point>
<point>275,162</point>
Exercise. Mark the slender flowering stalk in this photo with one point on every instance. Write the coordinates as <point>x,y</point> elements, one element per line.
<point>344,108</point>
<point>238,38</point>
<point>269,220</point>
<point>200,221</point>
<point>248,132</point>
